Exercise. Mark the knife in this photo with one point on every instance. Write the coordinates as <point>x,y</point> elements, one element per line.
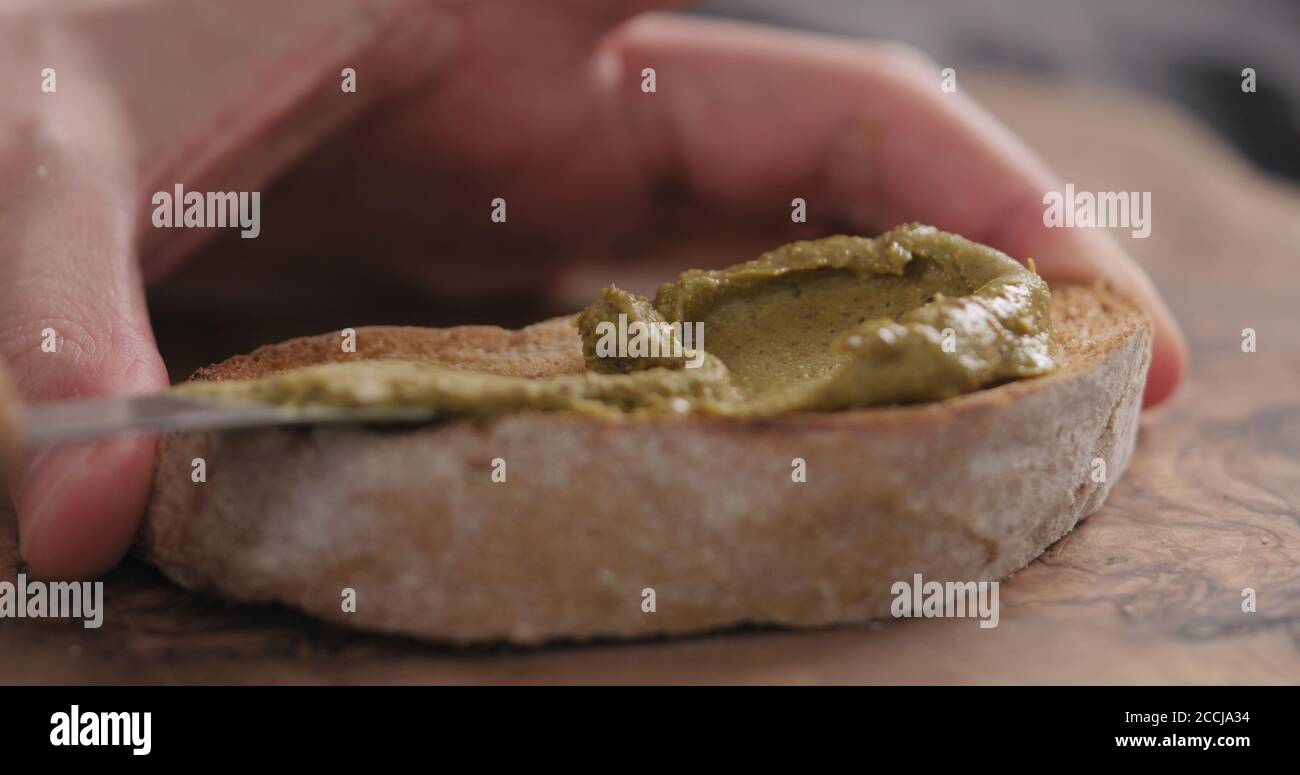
<point>33,426</point>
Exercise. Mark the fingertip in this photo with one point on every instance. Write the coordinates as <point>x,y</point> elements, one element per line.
<point>1169,351</point>
<point>1081,256</point>
<point>79,506</point>
<point>1168,367</point>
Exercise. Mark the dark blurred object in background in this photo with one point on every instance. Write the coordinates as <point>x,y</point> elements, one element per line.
<point>1189,51</point>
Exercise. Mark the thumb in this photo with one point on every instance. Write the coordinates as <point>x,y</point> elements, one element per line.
<point>1075,255</point>
<point>73,324</point>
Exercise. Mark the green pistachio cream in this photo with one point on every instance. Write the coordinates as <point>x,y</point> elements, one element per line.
<point>913,315</point>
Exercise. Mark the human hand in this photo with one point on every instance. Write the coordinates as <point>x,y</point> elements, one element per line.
<point>457,103</point>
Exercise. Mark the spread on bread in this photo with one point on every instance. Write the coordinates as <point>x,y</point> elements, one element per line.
<point>913,315</point>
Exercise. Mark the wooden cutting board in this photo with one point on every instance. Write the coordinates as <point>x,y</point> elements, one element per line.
<point>1147,590</point>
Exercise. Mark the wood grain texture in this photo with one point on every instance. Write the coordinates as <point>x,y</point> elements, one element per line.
<point>1146,590</point>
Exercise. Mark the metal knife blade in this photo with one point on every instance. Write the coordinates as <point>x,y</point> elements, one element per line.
<point>65,421</point>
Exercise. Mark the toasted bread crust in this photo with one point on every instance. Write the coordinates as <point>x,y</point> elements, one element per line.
<point>701,510</point>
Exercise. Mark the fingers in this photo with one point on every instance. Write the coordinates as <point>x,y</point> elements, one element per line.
<point>128,118</point>
<point>1083,254</point>
<point>748,117</point>
<point>224,97</point>
<point>608,13</point>
<point>73,324</point>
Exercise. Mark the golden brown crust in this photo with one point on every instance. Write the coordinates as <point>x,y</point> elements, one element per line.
<point>592,513</point>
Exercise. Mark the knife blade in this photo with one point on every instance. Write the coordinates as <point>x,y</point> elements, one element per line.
<point>27,427</point>
<point>61,422</point>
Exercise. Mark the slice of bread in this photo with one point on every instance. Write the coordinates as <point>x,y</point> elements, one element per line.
<point>593,514</point>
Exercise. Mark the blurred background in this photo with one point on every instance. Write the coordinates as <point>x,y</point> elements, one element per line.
<point>1191,51</point>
